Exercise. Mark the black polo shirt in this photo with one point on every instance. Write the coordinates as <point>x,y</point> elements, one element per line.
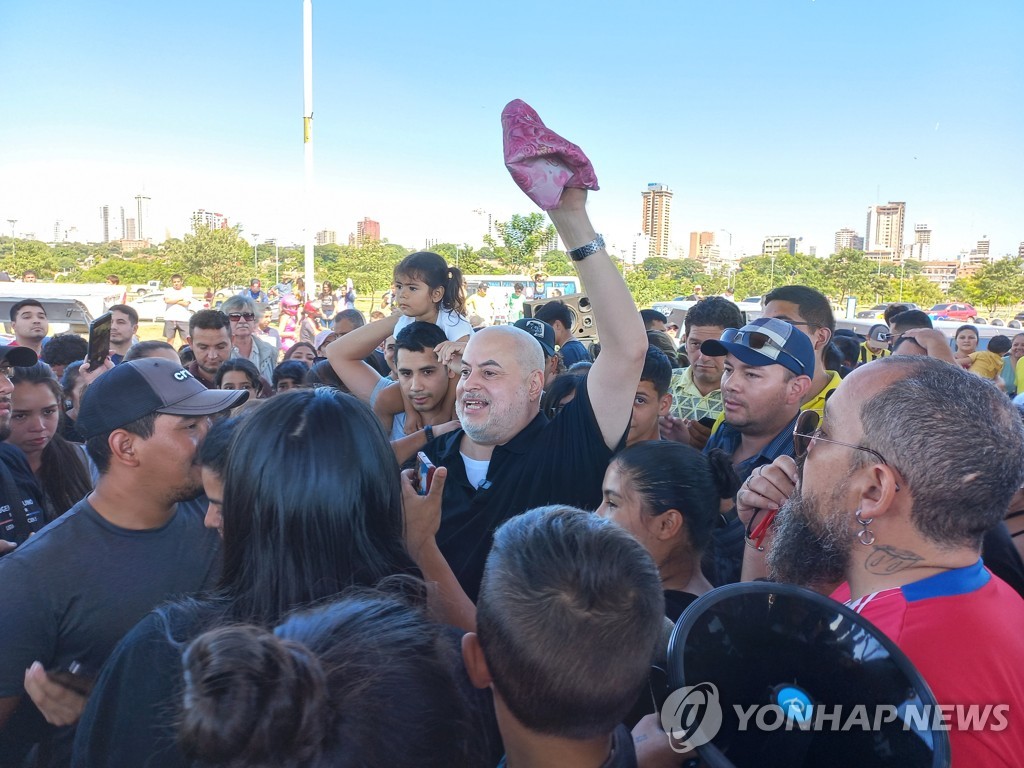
<point>561,461</point>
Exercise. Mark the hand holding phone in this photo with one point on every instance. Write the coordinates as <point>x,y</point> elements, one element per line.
<point>425,472</point>
<point>99,341</point>
<point>74,676</point>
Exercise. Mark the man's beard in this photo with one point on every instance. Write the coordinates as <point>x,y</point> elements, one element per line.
<point>808,549</point>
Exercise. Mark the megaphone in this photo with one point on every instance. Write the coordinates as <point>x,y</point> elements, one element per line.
<point>775,675</point>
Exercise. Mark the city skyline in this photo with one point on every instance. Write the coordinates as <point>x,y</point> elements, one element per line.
<point>752,140</point>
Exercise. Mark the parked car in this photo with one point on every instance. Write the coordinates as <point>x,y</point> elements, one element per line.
<point>963,312</point>
<point>151,307</point>
<point>877,312</point>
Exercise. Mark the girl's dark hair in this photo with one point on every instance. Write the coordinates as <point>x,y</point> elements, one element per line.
<point>668,475</point>
<point>300,523</point>
<point>252,373</point>
<point>293,347</point>
<point>213,453</point>
<point>62,475</point>
<point>330,687</point>
<point>435,272</point>
<point>322,374</point>
<point>290,369</point>
<point>561,386</point>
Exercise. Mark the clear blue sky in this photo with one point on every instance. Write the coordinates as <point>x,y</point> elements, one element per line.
<point>770,117</point>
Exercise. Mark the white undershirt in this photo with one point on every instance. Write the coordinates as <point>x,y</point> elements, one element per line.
<point>476,471</point>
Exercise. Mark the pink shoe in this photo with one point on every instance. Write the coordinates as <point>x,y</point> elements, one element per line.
<point>541,162</point>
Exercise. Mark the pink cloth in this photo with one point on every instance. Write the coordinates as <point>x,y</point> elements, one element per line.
<point>541,162</point>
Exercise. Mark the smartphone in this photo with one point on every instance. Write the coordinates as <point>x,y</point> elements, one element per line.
<point>707,421</point>
<point>99,341</point>
<point>74,676</point>
<point>425,470</point>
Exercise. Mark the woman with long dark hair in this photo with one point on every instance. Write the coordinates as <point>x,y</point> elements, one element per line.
<point>61,467</point>
<point>297,530</point>
<point>668,495</point>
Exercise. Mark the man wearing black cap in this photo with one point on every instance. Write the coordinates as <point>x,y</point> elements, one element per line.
<point>75,588</point>
<point>545,336</point>
<point>20,511</point>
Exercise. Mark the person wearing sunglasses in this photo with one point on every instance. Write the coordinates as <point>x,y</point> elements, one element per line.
<point>767,372</point>
<point>245,316</point>
<point>810,312</point>
<point>879,505</point>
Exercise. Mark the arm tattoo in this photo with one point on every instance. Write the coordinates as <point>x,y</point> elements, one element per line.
<point>885,560</point>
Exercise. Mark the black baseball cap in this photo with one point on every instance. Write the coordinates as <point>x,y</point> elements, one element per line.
<point>20,357</point>
<point>541,331</point>
<point>151,385</point>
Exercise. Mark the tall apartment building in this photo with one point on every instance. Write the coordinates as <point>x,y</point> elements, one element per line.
<point>776,244</point>
<point>698,240</point>
<point>848,238</point>
<point>921,248</point>
<point>883,231</point>
<point>367,231</point>
<point>105,222</point>
<point>142,215</point>
<point>657,218</point>
<point>208,219</point>
<point>983,246</point>
<point>326,237</point>
<point>1020,250</point>
<point>129,230</point>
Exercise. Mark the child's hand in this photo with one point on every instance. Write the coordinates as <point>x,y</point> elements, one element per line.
<point>447,351</point>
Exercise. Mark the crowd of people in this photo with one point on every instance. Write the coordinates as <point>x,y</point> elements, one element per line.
<point>221,554</point>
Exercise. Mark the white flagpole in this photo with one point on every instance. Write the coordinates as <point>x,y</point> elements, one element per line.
<point>307,138</point>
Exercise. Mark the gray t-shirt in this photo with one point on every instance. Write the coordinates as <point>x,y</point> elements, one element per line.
<point>73,590</point>
<point>398,423</point>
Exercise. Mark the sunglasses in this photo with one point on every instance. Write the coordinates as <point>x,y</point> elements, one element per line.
<point>807,431</point>
<point>236,316</point>
<point>762,342</point>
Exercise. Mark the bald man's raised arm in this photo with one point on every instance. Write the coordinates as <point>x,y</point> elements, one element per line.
<point>613,380</point>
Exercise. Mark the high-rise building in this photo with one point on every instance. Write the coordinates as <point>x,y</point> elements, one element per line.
<point>105,219</point>
<point>773,245</point>
<point>921,249</point>
<point>58,231</point>
<point>1020,250</point>
<point>367,231</point>
<point>848,238</point>
<point>326,237</point>
<point>983,246</point>
<point>641,248</point>
<point>884,229</point>
<point>657,218</point>
<point>208,219</point>
<point>142,215</point>
<point>129,229</point>
<point>697,241</point>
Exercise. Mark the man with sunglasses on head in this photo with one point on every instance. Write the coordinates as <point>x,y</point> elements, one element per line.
<point>809,311</point>
<point>767,373</point>
<point>880,510</point>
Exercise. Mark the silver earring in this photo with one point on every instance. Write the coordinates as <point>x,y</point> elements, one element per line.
<point>865,536</point>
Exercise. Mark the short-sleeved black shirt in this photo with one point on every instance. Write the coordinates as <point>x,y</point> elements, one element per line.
<point>561,461</point>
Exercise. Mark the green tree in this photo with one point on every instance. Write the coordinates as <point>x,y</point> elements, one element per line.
<point>849,273</point>
<point>523,236</point>
<point>214,258</point>
<point>557,263</point>
<point>999,283</point>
